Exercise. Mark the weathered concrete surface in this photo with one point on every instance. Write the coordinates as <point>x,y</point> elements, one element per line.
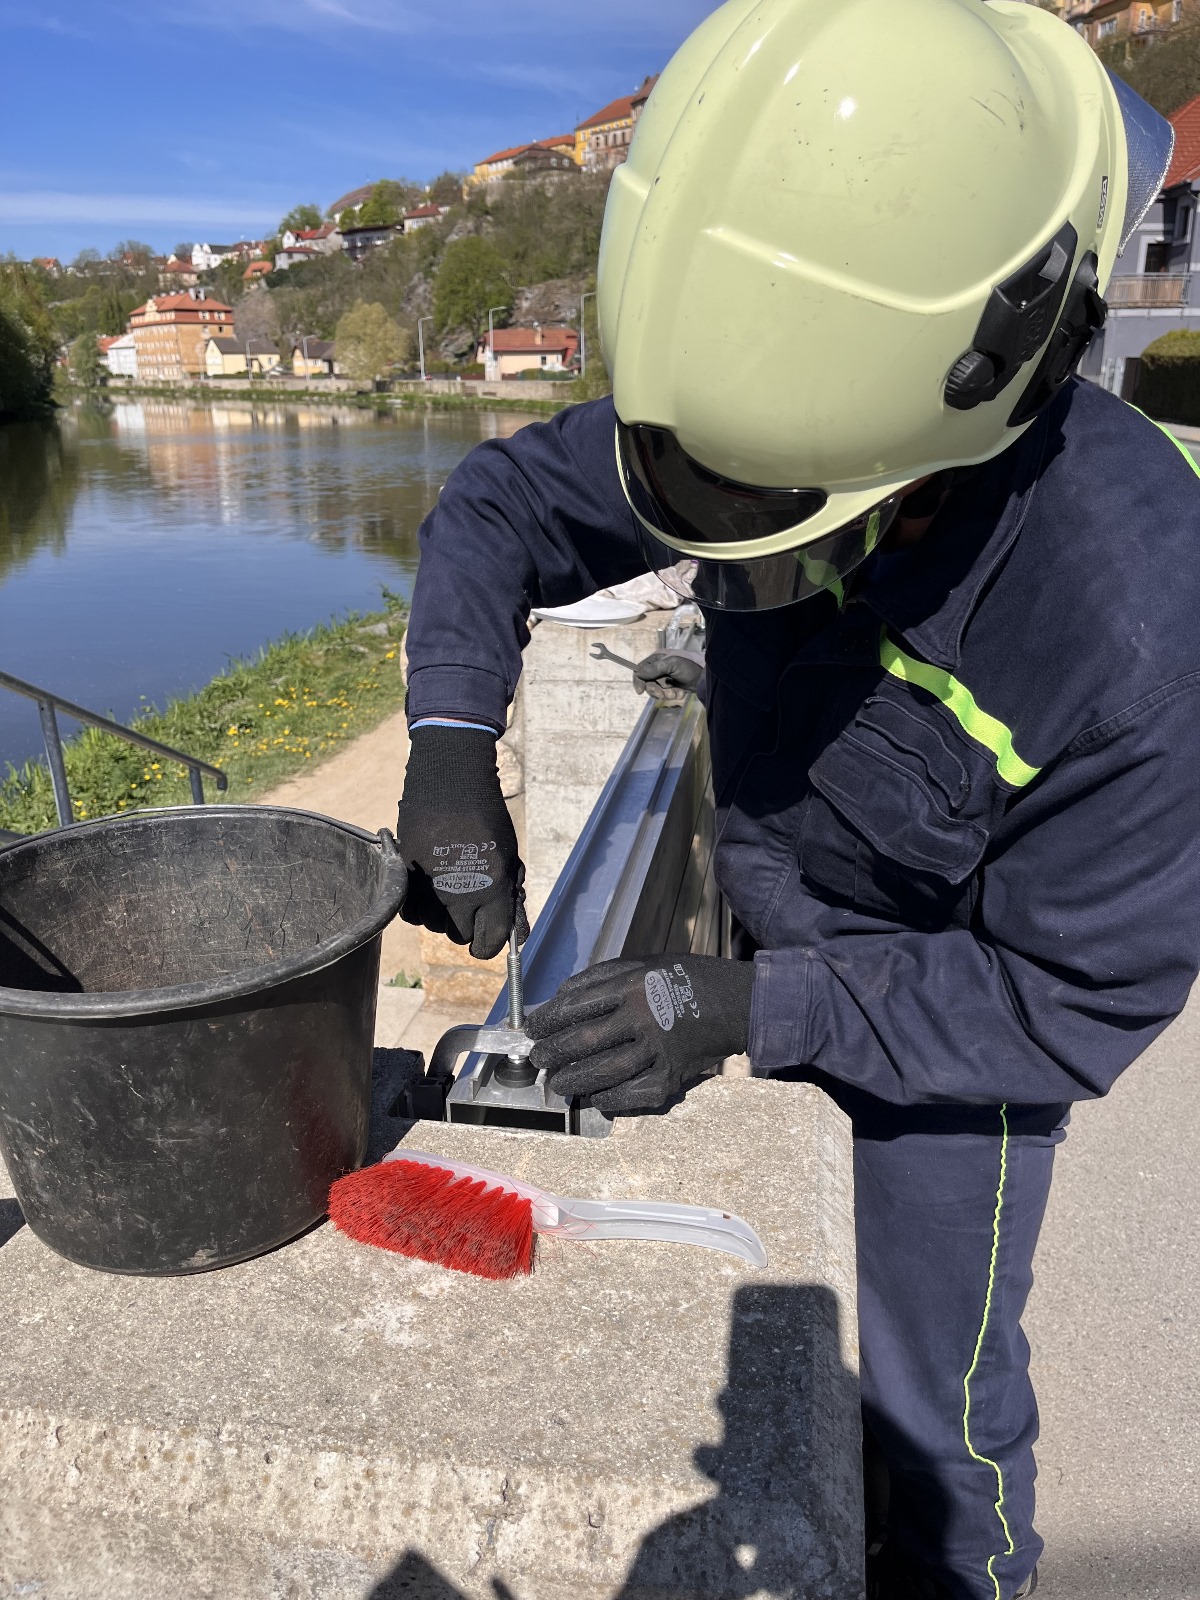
<point>577,714</point>
<point>635,1420</point>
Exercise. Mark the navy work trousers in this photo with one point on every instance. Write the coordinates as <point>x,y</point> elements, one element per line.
<point>949,1204</point>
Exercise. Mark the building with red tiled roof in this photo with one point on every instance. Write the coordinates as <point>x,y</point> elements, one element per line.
<point>1185,163</point>
<point>508,352</point>
<point>602,142</point>
<point>256,270</point>
<point>50,264</point>
<point>170,330</point>
<point>422,216</point>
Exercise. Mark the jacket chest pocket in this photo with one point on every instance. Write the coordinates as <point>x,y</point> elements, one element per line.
<point>899,818</point>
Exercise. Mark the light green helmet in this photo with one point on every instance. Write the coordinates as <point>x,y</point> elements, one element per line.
<point>854,244</point>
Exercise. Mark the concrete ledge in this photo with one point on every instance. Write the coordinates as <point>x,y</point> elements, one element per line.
<point>332,1422</point>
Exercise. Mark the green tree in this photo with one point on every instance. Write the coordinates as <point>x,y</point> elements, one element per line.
<point>595,381</point>
<point>368,342</point>
<point>88,365</point>
<point>140,255</point>
<point>28,344</point>
<point>446,189</point>
<point>300,218</point>
<point>1168,74</point>
<point>385,205</point>
<point>473,278</point>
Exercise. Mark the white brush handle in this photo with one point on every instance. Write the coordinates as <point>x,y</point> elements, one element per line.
<point>656,1220</point>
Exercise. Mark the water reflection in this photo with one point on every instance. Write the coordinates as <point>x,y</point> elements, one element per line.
<point>38,481</point>
<point>143,544</point>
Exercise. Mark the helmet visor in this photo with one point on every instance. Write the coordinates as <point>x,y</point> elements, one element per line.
<point>1150,139</point>
<point>682,500</point>
<point>769,582</point>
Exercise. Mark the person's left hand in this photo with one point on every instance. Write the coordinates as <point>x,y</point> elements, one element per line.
<point>629,1035</point>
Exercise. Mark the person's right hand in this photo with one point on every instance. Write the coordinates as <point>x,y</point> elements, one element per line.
<point>669,675</point>
<point>458,842</point>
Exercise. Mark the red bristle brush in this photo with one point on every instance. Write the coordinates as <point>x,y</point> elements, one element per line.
<point>427,1210</point>
<point>482,1222</point>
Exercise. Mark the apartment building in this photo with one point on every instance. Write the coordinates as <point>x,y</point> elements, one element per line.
<point>1155,287</point>
<point>1137,22</point>
<point>170,331</point>
<point>602,142</point>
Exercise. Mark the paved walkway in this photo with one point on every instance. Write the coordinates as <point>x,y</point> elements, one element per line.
<point>1115,1329</point>
<point>362,784</point>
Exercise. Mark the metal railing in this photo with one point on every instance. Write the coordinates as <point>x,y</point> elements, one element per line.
<point>1149,290</point>
<point>49,705</point>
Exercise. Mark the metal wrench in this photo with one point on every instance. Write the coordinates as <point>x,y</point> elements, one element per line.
<point>601,652</point>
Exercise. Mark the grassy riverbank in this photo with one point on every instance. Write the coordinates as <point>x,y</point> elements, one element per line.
<point>261,721</point>
<point>265,395</point>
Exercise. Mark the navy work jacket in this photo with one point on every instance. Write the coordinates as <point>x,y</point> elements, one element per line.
<point>959,811</point>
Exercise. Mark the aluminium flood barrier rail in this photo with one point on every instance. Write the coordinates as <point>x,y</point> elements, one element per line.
<point>639,882</point>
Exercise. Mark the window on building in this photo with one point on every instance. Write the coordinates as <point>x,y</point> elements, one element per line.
<point>1106,29</point>
<point>1157,256</point>
<point>1176,10</point>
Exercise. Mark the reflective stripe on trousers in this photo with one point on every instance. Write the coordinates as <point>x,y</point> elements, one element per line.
<point>949,1204</point>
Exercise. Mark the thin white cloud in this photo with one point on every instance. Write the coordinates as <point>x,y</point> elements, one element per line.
<point>470,20</point>
<point>56,205</point>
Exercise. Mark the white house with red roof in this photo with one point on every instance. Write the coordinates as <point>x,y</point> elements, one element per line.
<point>508,352</point>
<point>1155,286</point>
<point>422,216</point>
<point>323,241</point>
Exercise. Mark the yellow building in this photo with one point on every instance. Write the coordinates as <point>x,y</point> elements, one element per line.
<point>315,358</point>
<point>170,332</point>
<point>239,358</point>
<point>497,167</point>
<point>602,142</point>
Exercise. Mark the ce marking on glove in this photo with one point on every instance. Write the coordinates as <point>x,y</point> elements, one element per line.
<point>464,868</point>
<point>669,995</point>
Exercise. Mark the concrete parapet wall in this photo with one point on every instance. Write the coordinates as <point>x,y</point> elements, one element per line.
<point>577,714</point>
<point>634,1422</point>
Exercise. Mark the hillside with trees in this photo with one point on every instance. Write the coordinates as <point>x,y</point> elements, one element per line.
<point>483,254</point>
<point>28,344</point>
<point>1165,72</point>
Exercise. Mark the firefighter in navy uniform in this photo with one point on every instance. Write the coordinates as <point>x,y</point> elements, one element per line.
<point>953,677</point>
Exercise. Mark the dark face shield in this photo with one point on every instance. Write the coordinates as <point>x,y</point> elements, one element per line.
<point>674,496</point>
<point>768,582</point>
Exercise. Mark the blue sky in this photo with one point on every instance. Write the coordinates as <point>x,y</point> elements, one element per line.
<point>167,120</point>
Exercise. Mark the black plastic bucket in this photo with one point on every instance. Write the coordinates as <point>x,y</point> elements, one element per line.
<point>187,1011</point>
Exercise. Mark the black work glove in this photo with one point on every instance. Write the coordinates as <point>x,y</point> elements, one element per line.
<point>458,842</point>
<point>630,1035</point>
<point>669,675</point>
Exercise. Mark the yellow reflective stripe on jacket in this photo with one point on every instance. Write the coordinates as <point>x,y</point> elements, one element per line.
<point>1178,443</point>
<point>960,702</point>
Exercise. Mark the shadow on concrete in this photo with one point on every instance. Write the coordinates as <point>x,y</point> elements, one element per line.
<point>393,1072</point>
<point>781,1522</point>
<point>415,1579</point>
<point>12,1220</point>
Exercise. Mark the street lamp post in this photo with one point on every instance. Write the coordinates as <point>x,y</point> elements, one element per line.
<point>591,295</point>
<point>421,321</point>
<point>492,333</point>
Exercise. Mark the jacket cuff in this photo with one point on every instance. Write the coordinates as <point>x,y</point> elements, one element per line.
<point>780,1009</point>
<point>468,694</point>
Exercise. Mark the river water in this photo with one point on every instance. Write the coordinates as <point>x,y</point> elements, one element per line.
<point>144,545</point>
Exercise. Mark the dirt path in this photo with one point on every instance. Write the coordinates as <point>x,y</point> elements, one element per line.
<point>362,784</point>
